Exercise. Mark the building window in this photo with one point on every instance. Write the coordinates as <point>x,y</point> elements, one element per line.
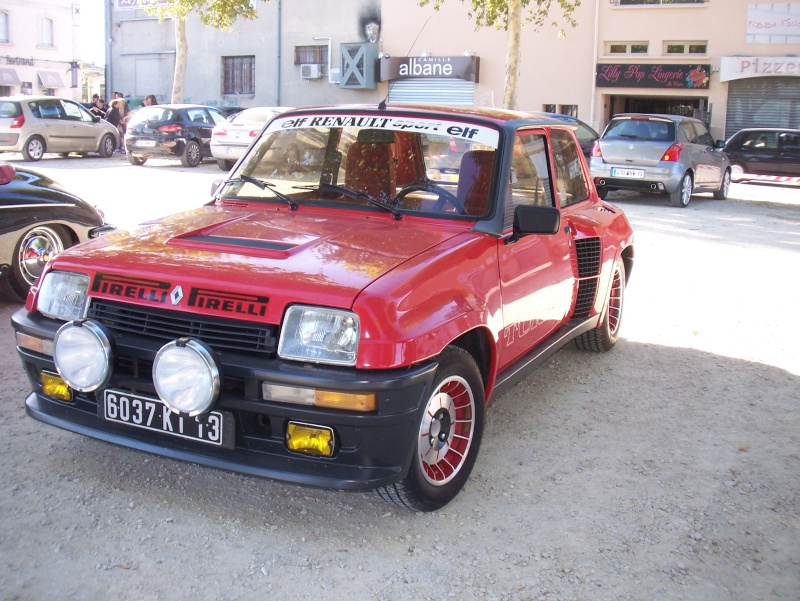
<point>304,55</point>
<point>549,108</point>
<point>569,109</point>
<point>238,75</point>
<point>47,32</point>
<point>626,47</point>
<point>3,27</point>
<point>685,48</point>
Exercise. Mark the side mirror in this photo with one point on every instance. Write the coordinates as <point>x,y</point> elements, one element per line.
<point>530,220</point>
<point>214,185</point>
<point>719,144</point>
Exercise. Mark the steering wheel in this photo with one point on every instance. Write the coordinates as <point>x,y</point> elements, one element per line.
<point>445,196</point>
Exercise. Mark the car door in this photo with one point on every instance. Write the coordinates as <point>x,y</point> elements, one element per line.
<point>536,276</point>
<point>80,129</point>
<point>708,162</point>
<point>789,160</point>
<point>50,113</point>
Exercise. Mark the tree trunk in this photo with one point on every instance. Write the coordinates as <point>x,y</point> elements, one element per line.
<point>513,34</point>
<point>181,49</point>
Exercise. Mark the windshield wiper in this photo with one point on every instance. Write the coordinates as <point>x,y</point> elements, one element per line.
<point>263,185</point>
<point>355,194</point>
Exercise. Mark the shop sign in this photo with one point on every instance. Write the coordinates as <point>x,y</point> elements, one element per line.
<point>136,4</point>
<point>771,20</point>
<point>429,67</point>
<point>642,75</point>
<point>740,67</point>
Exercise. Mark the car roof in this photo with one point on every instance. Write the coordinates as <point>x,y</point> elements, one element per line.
<point>751,129</point>
<point>674,118</point>
<point>28,97</point>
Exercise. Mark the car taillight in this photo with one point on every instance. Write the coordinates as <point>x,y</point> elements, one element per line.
<point>673,153</point>
<point>219,132</point>
<point>6,173</point>
<point>170,128</point>
<point>18,121</point>
<point>596,152</point>
<point>254,132</point>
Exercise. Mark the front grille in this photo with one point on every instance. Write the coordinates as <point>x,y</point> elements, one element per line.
<point>220,334</point>
<point>588,251</point>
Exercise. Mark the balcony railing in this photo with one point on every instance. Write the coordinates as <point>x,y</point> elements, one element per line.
<point>658,2</point>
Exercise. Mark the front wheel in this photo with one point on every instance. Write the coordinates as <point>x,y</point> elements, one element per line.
<point>724,186</point>
<point>107,146</point>
<point>34,148</point>
<point>134,160</point>
<point>448,439</point>
<point>682,196</point>
<point>603,338</point>
<point>36,247</point>
<point>192,155</point>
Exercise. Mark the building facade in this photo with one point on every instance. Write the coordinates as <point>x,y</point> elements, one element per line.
<point>732,63</point>
<point>39,51</point>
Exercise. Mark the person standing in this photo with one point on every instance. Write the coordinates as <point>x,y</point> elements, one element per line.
<point>114,117</point>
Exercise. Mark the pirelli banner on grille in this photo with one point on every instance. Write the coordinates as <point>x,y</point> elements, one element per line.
<point>430,67</point>
<point>643,75</point>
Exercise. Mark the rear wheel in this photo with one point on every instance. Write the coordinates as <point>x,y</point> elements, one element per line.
<point>448,439</point>
<point>604,337</point>
<point>34,148</point>
<point>107,146</point>
<point>192,154</point>
<point>724,186</point>
<point>682,196</point>
<point>36,247</point>
<point>136,160</point>
<point>225,164</point>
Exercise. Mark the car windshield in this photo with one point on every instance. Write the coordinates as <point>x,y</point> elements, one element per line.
<point>641,129</point>
<point>374,161</point>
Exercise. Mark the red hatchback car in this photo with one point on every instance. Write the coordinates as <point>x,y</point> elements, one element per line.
<point>336,317</point>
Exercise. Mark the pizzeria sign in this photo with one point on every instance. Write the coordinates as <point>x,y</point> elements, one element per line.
<point>641,75</point>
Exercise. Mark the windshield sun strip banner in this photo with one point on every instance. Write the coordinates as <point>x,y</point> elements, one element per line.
<point>465,131</point>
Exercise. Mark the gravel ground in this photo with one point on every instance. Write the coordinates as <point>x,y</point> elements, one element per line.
<point>666,469</point>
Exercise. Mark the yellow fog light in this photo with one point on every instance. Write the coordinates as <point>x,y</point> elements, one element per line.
<point>54,386</point>
<point>308,439</point>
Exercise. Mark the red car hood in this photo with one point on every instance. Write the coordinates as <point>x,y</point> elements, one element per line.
<point>275,256</point>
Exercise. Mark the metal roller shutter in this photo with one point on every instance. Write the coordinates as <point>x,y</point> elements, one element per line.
<point>763,102</point>
<point>436,91</point>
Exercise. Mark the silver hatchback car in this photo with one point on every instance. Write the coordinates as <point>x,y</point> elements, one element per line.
<point>34,125</point>
<point>666,154</point>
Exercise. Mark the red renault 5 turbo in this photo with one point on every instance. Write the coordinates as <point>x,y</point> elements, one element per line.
<point>336,317</point>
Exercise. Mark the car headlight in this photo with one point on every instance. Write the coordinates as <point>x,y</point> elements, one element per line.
<point>319,335</point>
<point>186,376</point>
<point>84,354</point>
<point>62,295</point>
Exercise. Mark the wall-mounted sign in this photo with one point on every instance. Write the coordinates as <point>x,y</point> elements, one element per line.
<point>642,75</point>
<point>136,4</point>
<point>775,23</point>
<point>740,67</point>
<point>428,67</point>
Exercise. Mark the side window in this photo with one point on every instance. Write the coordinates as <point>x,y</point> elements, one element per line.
<point>571,184</point>
<point>217,117</point>
<point>703,136</point>
<point>196,115</point>
<point>688,132</point>
<point>50,109</point>
<point>789,141</point>
<point>530,175</point>
<point>72,112</point>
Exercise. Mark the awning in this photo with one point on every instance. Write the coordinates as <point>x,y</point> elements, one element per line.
<point>8,77</point>
<point>50,79</point>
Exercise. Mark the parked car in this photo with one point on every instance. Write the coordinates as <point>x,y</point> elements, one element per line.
<point>667,154</point>
<point>764,151</point>
<point>35,125</point>
<point>38,220</point>
<point>229,140</point>
<point>336,319</point>
<point>180,131</point>
<point>586,135</point>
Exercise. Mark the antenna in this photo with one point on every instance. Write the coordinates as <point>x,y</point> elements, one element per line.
<point>382,103</point>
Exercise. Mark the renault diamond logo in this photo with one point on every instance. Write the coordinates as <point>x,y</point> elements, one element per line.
<point>176,295</point>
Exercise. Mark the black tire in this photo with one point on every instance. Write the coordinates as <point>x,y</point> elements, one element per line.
<point>602,192</point>
<point>683,195</point>
<point>192,154</point>
<point>603,338</point>
<point>449,436</point>
<point>138,161</point>
<point>724,186</point>
<point>31,253</point>
<point>107,146</point>
<point>34,148</point>
<point>225,164</point>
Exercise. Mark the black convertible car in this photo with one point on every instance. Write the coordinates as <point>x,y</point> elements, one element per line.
<point>38,219</point>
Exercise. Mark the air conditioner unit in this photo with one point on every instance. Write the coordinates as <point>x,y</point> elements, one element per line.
<point>310,71</point>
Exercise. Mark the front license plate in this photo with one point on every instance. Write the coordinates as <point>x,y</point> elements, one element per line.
<point>152,414</point>
<point>634,173</point>
<point>145,142</point>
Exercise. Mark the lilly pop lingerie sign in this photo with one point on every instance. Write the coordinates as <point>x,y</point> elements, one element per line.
<point>640,75</point>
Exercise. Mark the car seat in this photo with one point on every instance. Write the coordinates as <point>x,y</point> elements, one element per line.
<point>475,180</point>
<point>370,168</point>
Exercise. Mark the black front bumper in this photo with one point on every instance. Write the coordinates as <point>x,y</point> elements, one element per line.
<point>372,449</point>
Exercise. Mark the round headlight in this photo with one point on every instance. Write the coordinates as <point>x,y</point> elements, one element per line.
<point>83,355</point>
<point>186,376</point>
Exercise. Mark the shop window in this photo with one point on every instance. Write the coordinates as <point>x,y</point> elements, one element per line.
<point>3,27</point>
<point>47,32</point>
<point>685,48</point>
<point>626,47</point>
<point>304,55</point>
<point>238,74</point>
